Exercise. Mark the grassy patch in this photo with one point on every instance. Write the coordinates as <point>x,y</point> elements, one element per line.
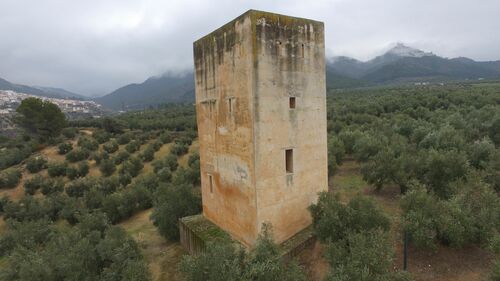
<point>162,256</point>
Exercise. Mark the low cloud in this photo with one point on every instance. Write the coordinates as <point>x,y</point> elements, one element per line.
<point>93,47</point>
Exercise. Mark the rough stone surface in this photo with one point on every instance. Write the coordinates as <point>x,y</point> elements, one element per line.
<point>245,73</point>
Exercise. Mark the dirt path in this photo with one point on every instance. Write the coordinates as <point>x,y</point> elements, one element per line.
<point>162,256</point>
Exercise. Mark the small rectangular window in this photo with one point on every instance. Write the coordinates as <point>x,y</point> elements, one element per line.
<point>278,48</point>
<point>211,183</point>
<point>230,104</point>
<point>292,102</point>
<point>289,160</point>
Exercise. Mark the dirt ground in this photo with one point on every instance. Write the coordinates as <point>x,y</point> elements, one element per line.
<point>446,264</point>
<point>162,256</point>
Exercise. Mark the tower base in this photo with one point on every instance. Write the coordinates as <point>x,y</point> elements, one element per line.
<point>195,231</point>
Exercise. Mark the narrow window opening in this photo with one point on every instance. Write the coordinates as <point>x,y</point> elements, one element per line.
<point>278,48</point>
<point>302,51</point>
<point>230,104</point>
<point>289,160</point>
<point>291,102</point>
<point>211,108</point>
<point>211,183</point>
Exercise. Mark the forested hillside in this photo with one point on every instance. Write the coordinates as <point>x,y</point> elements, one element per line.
<point>100,198</point>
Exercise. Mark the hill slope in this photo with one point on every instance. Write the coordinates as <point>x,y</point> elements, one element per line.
<point>39,91</point>
<point>153,91</point>
<point>180,89</point>
<point>399,64</point>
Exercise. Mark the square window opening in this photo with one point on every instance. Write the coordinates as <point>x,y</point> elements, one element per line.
<point>289,161</point>
<point>291,102</point>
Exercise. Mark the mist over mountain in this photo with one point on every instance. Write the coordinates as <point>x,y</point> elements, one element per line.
<point>49,92</point>
<point>401,64</point>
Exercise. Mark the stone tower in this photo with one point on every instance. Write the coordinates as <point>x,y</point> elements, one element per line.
<point>261,113</point>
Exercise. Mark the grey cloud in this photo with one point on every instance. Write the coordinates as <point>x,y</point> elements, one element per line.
<point>93,46</point>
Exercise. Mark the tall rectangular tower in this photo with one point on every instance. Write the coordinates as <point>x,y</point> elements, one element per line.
<point>261,113</point>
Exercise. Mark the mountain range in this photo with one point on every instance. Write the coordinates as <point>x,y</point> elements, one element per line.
<point>167,88</point>
<point>400,64</point>
<point>406,64</point>
<point>49,92</point>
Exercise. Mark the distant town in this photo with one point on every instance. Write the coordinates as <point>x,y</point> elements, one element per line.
<point>74,109</point>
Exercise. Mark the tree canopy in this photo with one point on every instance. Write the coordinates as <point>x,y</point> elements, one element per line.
<point>42,118</point>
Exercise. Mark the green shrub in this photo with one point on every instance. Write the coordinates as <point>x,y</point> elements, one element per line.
<point>122,205</point>
<point>64,148</point>
<point>124,179</point>
<point>101,136</point>
<point>179,149</point>
<point>111,125</point>
<point>4,200</point>
<point>157,145</point>
<point>9,178</point>
<point>124,138</point>
<point>120,157</point>
<point>91,250</point>
<point>167,137</point>
<point>222,261</point>
<point>78,154</point>
<point>336,152</point>
<point>333,221</point>
<point>131,167</point>
<point>78,187</point>
<point>15,155</point>
<point>171,204</point>
<point>71,172</point>
<point>495,273</point>
<point>36,164</point>
<point>110,147</point>
<point>132,146</point>
<point>88,143</point>
<point>362,256</point>
<point>57,169</point>
<point>109,185</point>
<point>30,208</point>
<point>51,186</point>
<point>107,167</point>
<point>148,154</point>
<point>69,132</point>
<point>33,184</point>
<point>164,175</point>
<point>169,161</point>
<point>78,171</point>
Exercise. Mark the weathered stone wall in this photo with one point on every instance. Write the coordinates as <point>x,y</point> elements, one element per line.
<point>290,64</point>
<point>245,73</point>
<point>223,65</point>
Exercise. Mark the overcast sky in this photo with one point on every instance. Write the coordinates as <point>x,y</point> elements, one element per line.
<point>95,46</point>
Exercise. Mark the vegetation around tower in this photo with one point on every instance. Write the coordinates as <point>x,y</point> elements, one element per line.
<point>424,160</point>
